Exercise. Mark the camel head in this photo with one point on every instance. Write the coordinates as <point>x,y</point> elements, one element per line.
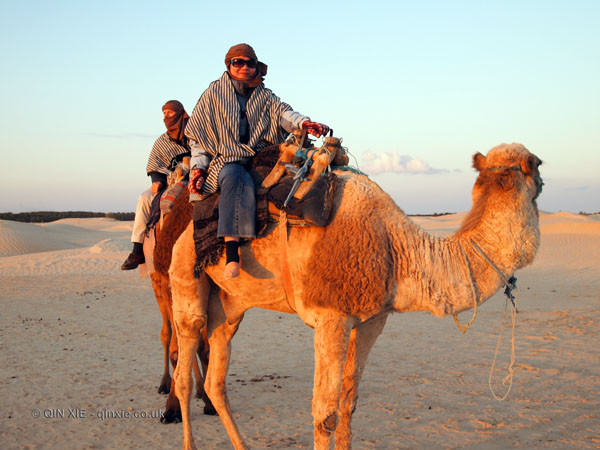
<point>504,198</point>
<point>508,167</point>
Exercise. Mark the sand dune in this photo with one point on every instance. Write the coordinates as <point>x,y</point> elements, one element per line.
<point>21,238</point>
<point>80,345</point>
<point>17,238</point>
<point>67,246</point>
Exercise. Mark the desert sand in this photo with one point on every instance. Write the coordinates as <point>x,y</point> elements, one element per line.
<point>82,358</point>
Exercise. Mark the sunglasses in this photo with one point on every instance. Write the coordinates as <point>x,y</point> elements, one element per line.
<point>238,63</point>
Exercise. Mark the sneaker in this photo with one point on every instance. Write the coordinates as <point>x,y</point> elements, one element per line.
<point>132,261</point>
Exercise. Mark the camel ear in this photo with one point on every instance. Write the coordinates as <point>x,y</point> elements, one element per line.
<point>478,161</point>
<point>530,164</point>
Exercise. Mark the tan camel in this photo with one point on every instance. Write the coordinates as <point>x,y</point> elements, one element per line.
<point>347,277</point>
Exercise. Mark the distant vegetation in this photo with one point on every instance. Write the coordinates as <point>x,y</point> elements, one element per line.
<point>121,215</point>
<point>51,216</point>
<point>432,215</point>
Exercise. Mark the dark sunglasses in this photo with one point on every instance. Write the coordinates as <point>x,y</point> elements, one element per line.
<point>238,63</point>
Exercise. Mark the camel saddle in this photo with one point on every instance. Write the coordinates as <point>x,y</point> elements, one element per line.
<point>313,209</point>
<point>310,205</point>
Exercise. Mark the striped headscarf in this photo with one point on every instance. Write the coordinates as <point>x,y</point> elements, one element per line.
<point>163,151</point>
<point>215,123</point>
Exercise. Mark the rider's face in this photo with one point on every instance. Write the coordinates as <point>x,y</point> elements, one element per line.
<point>244,72</point>
<point>168,113</point>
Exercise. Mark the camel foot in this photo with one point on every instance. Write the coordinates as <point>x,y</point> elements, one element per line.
<point>210,410</point>
<point>165,387</point>
<point>171,416</point>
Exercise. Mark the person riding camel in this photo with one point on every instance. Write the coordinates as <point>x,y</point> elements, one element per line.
<point>171,145</point>
<point>235,118</point>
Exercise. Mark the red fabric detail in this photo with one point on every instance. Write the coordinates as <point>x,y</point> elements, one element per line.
<point>197,177</point>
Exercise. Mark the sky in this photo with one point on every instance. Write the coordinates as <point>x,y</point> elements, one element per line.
<point>413,88</point>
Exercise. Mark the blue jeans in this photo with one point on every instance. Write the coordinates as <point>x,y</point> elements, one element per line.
<point>237,205</point>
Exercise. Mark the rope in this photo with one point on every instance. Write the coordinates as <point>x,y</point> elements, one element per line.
<point>506,282</point>
<point>354,157</point>
<point>509,378</point>
<point>463,328</point>
<point>510,287</point>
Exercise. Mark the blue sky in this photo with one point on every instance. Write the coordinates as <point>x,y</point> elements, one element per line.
<point>421,84</point>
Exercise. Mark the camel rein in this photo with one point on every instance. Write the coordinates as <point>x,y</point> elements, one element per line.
<point>286,275</point>
<point>511,284</point>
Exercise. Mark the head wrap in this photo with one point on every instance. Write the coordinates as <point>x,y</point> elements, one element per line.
<point>176,124</point>
<point>247,51</point>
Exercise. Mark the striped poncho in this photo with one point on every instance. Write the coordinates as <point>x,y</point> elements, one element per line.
<point>215,126</point>
<point>163,151</point>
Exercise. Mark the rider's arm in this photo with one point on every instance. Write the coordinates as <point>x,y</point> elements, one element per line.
<point>200,159</point>
<point>291,120</point>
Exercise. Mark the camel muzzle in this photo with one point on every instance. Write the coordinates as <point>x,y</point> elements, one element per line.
<point>538,183</point>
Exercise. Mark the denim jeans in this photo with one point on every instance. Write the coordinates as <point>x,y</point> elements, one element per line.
<point>237,205</point>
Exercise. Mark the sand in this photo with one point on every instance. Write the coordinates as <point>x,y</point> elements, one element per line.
<point>82,358</point>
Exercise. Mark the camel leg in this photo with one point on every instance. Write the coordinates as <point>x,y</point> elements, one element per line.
<point>188,325</point>
<point>172,408</point>
<point>197,375</point>
<point>189,298</point>
<point>209,409</point>
<point>165,332</point>
<point>172,412</point>
<point>331,343</point>
<point>220,334</point>
<point>173,344</point>
<point>362,339</point>
<point>188,329</point>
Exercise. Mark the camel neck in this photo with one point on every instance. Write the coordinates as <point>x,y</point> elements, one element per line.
<point>441,274</point>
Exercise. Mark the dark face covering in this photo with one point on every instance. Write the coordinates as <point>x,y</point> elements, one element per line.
<point>176,124</point>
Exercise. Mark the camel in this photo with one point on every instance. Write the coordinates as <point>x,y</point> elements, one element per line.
<point>347,277</point>
<point>166,233</point>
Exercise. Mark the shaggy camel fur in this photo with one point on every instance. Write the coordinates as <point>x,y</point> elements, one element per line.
<point>347,277</point>
<point>173,225</point>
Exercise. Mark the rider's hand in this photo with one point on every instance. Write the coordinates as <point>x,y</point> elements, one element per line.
<point>197,177</point>
<point>156,187</point>
<point>315,128</point>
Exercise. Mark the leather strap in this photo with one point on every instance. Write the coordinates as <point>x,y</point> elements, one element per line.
<point>286,275</point>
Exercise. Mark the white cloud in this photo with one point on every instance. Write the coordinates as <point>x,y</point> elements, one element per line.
<point>393,162</point>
